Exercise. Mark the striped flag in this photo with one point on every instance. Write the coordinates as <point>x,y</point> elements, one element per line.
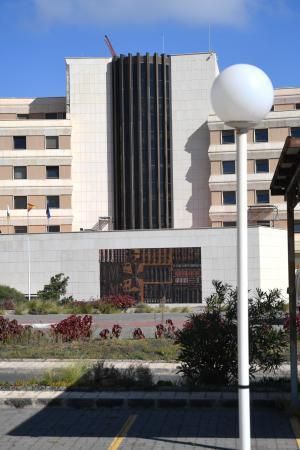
<point>30,206</point>
<point>48,211</point>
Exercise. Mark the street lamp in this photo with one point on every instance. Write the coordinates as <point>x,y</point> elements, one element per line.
<point>241,96</point>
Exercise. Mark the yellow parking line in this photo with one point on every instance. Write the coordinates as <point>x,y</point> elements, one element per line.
<point>122,433</point>
<point>296,429</point>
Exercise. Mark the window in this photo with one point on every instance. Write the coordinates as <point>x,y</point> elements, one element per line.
<point>51,116</point>
<point>20,202</point>
<point>261,135</point>
<point>19,142</point>
<point>297,226</point>
<point>20,173</point>
<point>295,131</point>
<point>229,198</point>
<point>228,167</point>
<point>228,137</point>
<point>54,229</point>
<point>262,196</point>
<point>51,141</point>
<point>263,223</point>
<point>229,224</point>
<point>53,201</point>
<point>22,116</point>
<point>261,165</point>
<point>20,229</point>
<point>297,106</point>
<point>52,172</point>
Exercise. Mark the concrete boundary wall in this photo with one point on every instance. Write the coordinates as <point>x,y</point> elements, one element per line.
<point>77,255</point>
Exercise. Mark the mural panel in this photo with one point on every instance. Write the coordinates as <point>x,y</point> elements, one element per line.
<point>152,275</point>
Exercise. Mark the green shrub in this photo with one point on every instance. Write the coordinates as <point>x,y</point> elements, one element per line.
<point>22,308</point>
<point>143,308</point>
<point>208,341</point>
<point>138,377</point>
<point>55,289</point>
<point>44,307</point>
<point>8,293</point>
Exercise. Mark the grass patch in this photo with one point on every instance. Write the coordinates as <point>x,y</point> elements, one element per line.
<point>89,378</point>
<point>145,308</point>
<point>143,349</point>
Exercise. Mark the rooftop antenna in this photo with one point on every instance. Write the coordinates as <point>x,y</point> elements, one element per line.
<point>163,42</point>
<point>109,46</point>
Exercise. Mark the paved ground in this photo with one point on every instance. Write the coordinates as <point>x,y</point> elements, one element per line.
<point>128,321</point>
<point>207,429</point>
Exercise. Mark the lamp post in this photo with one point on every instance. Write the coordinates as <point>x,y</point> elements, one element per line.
<point>241,96</point>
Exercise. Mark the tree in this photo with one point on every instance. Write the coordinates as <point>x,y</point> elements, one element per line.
<point>208,341</point>
<point>55,289</point>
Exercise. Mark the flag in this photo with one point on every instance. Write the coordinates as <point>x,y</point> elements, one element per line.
<point>48,211</point>
<point>30,206</point>
<point>7,212</point>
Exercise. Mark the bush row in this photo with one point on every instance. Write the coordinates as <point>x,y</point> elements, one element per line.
<point>77,327</point>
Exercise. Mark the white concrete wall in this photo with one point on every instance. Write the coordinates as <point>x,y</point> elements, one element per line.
<point>192,77</point>
<point>90,112</point>
<point>77,255</point>
<point>273,249</point>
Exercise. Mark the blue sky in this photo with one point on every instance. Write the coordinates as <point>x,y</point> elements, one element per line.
<point>36,36</point>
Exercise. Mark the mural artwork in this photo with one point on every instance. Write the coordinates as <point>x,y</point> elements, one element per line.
<point>152,275</point>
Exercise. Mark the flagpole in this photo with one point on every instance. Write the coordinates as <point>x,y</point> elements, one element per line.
<point>7,218</point>
<point>29,258</point>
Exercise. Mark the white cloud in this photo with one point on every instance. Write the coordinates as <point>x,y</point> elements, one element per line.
<point>142,11</point>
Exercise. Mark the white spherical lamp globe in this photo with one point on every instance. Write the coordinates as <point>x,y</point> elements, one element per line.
<point>242,95</point>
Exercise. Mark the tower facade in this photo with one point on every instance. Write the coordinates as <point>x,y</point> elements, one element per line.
<point>142,142</point>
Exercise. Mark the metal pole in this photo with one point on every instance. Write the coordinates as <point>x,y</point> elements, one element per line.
<point>292,299</point>
<point>242,285</point>
<point>29,258</point>
<point>29,267</point>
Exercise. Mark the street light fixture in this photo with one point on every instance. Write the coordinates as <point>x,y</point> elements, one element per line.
<point>241,96</point>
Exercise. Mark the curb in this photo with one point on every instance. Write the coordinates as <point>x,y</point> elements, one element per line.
<point>94,400</point>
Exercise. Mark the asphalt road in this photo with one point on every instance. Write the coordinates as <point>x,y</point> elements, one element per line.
<point>155,429</point>
<point>128,321</point>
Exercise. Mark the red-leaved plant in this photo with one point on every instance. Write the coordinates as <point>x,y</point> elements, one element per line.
<point>7,304</point>
<point>119,301</point>
<point>166,331</point>
<point>104,334</point>
<point>10,329</point>
<point>73,328</point>
<point>138,334</point>
<point>116,330</point>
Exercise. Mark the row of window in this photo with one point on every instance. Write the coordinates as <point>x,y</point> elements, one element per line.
<point>263,223</point>
<point>260,135</point>
<point>261,166</point>
<point>262,196</point>
<point>294,106</point>
<point>50,229</point>
<point>47,116</point>
<point>20,172</point>
<point>21,201</point>
<point>20,142</point>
